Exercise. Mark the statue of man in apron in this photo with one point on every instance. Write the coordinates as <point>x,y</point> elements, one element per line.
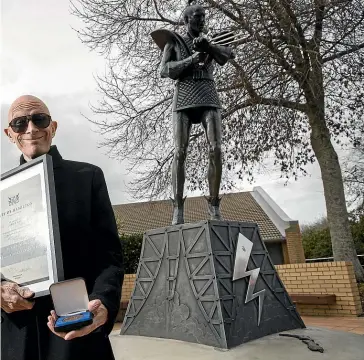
<point>189,60</point>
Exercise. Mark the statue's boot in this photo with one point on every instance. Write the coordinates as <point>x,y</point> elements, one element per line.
<point>178,210</point>
<point>214,208</point>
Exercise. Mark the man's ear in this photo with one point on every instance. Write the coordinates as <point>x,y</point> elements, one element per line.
<point>54,127</point>
<point>7,133</point>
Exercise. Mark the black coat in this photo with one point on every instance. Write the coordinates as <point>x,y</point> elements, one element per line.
<point>91,249</point>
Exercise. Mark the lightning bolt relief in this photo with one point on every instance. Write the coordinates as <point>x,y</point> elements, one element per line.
<point>243,251</point>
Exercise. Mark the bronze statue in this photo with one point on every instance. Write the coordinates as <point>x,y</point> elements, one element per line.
<point>189,59</point>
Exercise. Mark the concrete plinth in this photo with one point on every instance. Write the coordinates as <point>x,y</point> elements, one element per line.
<point>210,283</point>
<point>337,346</point>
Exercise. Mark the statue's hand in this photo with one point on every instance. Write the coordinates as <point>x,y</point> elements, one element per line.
<point>198,57</point>
<point>201,44</point>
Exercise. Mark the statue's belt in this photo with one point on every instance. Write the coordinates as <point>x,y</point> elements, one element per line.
<point>197,75</point>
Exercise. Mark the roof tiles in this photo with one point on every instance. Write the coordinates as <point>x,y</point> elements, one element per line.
<point>241,206</point>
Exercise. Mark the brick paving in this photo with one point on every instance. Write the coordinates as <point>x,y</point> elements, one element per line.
<point>348,324</point>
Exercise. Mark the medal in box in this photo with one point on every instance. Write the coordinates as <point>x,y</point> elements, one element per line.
<point>70,300</point>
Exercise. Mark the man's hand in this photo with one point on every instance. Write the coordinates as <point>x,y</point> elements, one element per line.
<point>201,44</point>
<point>14,298</point>
<point>100,318</point>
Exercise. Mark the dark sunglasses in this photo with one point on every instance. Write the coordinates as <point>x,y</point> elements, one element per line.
<point>20,124</point>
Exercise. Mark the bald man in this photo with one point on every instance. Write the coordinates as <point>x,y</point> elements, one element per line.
<point>90,244</point>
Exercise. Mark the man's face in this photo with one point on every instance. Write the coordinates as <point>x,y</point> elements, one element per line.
<point>32,141</point>
<point>196,20</point>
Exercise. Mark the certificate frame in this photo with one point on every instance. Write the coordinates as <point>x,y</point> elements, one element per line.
<point>40,171</point>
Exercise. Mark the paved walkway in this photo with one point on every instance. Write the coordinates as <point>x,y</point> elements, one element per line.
<point>117,327</point>
<point>349,324</point>
<point>337,345</point>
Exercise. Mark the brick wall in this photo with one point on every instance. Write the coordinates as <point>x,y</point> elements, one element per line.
<point>317,278</point>
<point>285,253</point>
<point>295,250</point>
<point>324,278</point>
<point>128,286</point>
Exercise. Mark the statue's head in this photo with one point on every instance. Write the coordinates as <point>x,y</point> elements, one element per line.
<point>194,18</point>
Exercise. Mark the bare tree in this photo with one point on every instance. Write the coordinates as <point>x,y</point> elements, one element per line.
<point>295,86</point>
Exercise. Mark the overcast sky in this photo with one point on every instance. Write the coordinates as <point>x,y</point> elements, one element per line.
<point>42,56</point>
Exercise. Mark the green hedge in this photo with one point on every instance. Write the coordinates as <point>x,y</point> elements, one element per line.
<point>317,240</point>
<point>132,247</point>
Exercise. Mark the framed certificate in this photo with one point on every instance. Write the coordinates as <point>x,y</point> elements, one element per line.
<point>30,242</point>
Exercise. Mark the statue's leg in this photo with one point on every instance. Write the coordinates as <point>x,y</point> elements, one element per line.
<point>181,130</point>
<point>211,121</point>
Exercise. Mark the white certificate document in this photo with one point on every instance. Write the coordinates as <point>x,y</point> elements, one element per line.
<point>26,249</point>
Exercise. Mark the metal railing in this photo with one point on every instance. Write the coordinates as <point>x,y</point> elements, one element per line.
<point>328,259</point>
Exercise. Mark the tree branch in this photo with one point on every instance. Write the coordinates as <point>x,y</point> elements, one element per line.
<point>133,17</point>
<point>286,19</point>
<point>267,101</point>
<point>295,22</point>
<point>340,54</point>
<point>320,12</point>
<point>163,17</point>
<point>245,80</point>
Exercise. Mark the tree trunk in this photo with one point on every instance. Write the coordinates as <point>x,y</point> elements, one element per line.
<point>341,238</point>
